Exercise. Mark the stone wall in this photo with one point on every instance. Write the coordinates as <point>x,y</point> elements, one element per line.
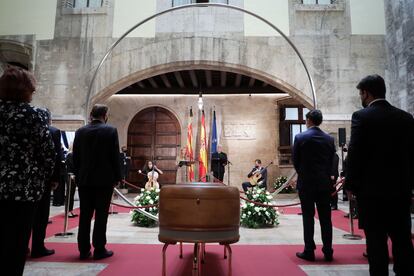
<point>400,52</point>
<point>257,114</point>
<point>337,60</point>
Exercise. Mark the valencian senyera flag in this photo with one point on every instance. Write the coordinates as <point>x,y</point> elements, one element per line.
<point>202,169</point>
<point>214,134</point>
<point>189,148</point>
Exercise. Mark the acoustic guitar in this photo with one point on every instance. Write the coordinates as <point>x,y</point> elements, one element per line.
<point>254,179</point>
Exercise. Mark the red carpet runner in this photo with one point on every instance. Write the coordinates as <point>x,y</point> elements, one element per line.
<point>137,259</point>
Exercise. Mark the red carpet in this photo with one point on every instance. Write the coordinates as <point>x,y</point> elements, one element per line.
<point>338,219</point>
<point>135,259</point>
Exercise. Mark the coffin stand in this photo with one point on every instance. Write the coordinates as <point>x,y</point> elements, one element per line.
<point>199,213</point>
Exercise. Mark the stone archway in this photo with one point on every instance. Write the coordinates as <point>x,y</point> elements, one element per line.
<point>154,134</point>
<point>272,80</point>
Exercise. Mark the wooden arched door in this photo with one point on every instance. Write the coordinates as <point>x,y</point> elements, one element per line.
<point>154,134</point>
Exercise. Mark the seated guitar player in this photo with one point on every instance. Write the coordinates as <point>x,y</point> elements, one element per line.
<point>257,176</point>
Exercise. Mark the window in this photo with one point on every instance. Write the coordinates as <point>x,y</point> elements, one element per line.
<point>292,122</point>
<point>186,2</point>
<point>317,2</point>
<point>87,3</point>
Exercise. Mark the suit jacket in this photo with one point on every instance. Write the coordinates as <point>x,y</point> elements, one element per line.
<point>56,135</point>
<point>96,155</point>
<point>335,165</point>
<point>218,161</point>
<point>69,162</point>
<point>380,163</point>
<point>313,153</point>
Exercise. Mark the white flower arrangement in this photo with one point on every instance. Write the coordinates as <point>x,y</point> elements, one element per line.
<point>279,182</point>
<point>147,197</point>
<point>255,216</point>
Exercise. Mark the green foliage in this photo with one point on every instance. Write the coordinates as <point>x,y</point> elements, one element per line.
<point>254,216</point>
<point>147,197</point>
<point>279,182</point>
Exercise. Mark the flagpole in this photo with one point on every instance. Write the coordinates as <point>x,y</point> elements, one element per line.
<point>210,145</point>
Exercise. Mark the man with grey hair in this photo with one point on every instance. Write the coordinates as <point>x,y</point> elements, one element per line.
<point>97,171</point>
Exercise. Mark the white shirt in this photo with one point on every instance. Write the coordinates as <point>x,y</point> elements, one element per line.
<point>376,100</point>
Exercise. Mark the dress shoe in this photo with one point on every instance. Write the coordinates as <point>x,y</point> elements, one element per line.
<point>42,253</point>
<point>84,256</point>
<point>328,257</point>
<point>102,255</point>
<point>309,256</point>
<point>72,215</point>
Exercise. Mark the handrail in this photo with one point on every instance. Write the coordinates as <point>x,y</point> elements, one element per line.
<point>285,184</point>
<point>149,215</point>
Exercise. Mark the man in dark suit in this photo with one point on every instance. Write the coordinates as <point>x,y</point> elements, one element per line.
<point>125,162</point>
<point>97,171</point>
<point>41,217</point>
<point>218,163</point>
<point>313,154</point>
<point>334,178</point>
<point>262,181</point>
<point>59,191</point>
<point>380,173</point>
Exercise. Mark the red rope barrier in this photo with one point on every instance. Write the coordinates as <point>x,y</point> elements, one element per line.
<point>268,205</point>
<point>340,182</point>
<point>134,207</point>
<point>131,185</point>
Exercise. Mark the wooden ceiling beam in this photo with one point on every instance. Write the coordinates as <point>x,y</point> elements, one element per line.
<point>251,82</point>
<point>153,83</point>
<point>237,81</point>
<point>223,78</point>
<point>166,81</point>
<point>179,79</point>
<point>209,80</point>
<point>193,78</point>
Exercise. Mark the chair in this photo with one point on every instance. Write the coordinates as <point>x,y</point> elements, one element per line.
<point>199,213</point>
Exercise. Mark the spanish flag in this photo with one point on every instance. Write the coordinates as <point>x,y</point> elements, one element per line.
<point>202,169</point>
<point>189,148</point>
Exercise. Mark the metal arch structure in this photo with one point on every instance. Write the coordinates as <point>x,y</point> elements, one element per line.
<point>315,103</point>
